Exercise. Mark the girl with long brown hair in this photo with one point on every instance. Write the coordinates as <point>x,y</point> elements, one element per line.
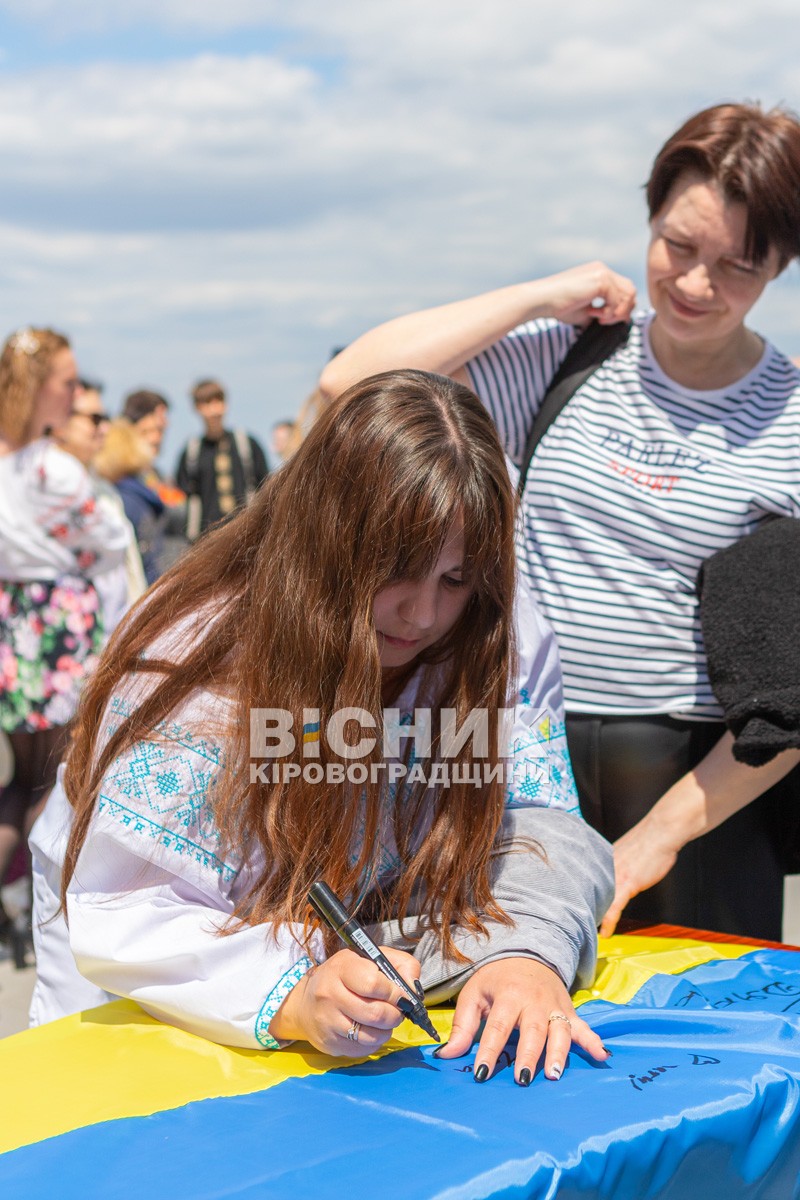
<point>217,771</point>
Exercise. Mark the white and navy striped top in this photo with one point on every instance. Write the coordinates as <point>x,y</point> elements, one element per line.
<point>635,484</point>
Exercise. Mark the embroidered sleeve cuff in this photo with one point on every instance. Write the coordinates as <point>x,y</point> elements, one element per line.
<point>541,772</point>
<point>273,1002</point>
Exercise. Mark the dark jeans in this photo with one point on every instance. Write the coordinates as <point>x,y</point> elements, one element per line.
<point>730,880</point>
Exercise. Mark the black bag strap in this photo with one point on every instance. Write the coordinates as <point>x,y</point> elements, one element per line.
<point>594,345</point>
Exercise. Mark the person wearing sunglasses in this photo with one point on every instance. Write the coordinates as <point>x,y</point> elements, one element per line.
<point>84,432</point>
<point>84,435</point>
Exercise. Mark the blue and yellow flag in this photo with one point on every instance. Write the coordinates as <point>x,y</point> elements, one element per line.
<point>701,1100</point>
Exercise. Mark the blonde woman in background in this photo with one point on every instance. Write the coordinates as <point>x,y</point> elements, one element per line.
<point>55,540</point>
<point>124,461</point>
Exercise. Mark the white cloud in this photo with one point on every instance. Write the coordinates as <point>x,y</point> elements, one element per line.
<point>241,213</point>
<point>92,15</point>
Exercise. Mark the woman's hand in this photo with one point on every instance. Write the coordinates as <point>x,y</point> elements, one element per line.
<point>344,989</point>
<point>589,292</point>
<point>642,857</point>
<point>519,993</point>
<point>445,338</point>
<point>701,800</point>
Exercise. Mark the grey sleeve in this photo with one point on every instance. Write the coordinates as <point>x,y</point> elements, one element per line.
<point>556,898</point>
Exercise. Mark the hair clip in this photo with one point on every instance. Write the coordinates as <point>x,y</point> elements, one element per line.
<point>25,340</point>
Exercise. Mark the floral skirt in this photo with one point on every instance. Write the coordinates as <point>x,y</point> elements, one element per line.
<point>50,637</point>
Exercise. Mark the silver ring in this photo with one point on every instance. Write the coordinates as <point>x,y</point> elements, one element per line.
<point>352,1033</point>
<point>557,1016</point>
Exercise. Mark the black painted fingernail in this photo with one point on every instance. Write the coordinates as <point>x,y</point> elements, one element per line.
<point>405,1006</point>
<point>610,1053</point>
<point>439,1050</point>
<point>482,1073</point>
<point>525,1077</point>
<point>420,990</point>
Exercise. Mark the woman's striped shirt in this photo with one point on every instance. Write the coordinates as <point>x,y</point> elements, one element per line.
<point>633,486</point>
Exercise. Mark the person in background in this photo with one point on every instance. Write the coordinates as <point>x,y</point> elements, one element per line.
<point>682,442</point>
<point>281,440</point>
<point>84,432</point>
<point>148,411</point>
<point>124,462</point>
<point>92,388</point>
<point>55,540</point>
<point>310,410</point>
<point>373,574</point>
<point>221,470</point>
<point>84,435</point>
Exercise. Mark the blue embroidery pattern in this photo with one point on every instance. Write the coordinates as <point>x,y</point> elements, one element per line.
<point>275,999</point>
<point>162,790</point>
<point>542,770</point>
<point>183,846</point>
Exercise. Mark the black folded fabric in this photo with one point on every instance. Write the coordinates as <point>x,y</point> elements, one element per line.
<point>750,616</point>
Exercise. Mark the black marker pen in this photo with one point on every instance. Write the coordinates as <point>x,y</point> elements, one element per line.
<point>331,910</point>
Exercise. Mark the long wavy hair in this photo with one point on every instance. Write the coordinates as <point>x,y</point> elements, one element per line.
<point>26,361</point>
<point>369,498</point>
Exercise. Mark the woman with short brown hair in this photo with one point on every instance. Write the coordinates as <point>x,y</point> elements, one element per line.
<point>685,439</point>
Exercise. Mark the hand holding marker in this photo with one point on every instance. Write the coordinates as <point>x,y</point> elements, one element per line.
<point>331,910</point>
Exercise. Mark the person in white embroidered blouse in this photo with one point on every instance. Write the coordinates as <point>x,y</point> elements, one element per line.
<point>53,541</point>
<point>685,439</point>
<point>323,688</point>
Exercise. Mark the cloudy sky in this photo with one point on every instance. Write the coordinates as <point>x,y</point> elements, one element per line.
<point>233,187</point>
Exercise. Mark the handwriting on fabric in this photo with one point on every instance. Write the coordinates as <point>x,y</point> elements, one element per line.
<point>504,1059</point>
<point>697,1060</point>
<point>755,996</point>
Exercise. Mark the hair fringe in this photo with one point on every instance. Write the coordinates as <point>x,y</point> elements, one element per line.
<point>754,157</point>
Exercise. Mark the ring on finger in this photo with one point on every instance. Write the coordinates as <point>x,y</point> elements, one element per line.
<point>557,1016</point>
<point>352,1033</point>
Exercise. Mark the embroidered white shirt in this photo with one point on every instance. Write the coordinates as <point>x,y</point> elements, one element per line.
<point>153,886</point>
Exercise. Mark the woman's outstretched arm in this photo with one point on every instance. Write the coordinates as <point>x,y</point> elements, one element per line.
<point>443,339</point>
<point>702,799</point>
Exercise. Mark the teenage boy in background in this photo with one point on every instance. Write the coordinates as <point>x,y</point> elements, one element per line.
<point>220,470</point>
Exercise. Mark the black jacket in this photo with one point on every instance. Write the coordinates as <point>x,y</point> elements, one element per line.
<point>750,615</point>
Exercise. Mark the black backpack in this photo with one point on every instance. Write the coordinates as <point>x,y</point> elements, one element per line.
<point>594,345</point>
